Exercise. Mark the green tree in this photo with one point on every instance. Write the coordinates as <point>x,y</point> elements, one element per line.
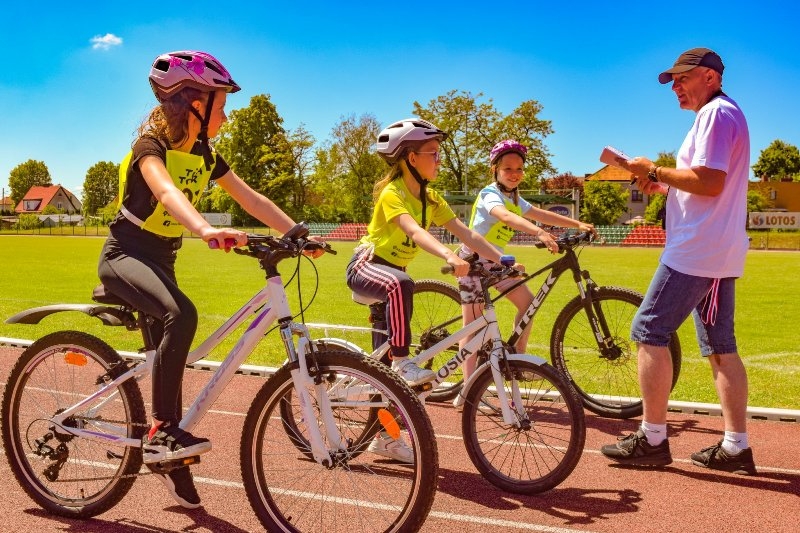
<point>652,213</point>
<point>474,127</point>
<point>348,167</point>
<point>254,144</point>
<point>603,202</point>
<point>301,144</point>
<point>100,186</point>
<point>665,159</point>
<point>756,201</point>
<point>778,161</point>
<point>29,174</point>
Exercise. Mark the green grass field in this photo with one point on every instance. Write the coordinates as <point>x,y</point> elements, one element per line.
<point>43,270</point>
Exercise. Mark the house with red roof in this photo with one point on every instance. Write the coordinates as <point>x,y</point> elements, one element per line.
<point>6,206</point>
<point>637,200</point>
<point>41,196</point>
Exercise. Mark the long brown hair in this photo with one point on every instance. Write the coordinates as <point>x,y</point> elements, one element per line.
<point>169,121</point>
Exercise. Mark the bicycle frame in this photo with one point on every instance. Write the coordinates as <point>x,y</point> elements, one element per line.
<point>269,305</point>
<point>556,268</point>
<point>480,330</point>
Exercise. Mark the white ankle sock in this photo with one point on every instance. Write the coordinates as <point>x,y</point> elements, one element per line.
<point>655,433</point>
<point>734,443</point>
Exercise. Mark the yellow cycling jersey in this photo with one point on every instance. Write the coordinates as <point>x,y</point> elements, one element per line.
<point>188,172</point>
<point>389,242</point>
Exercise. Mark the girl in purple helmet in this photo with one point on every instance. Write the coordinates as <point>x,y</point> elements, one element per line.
<point>161,181</point>
<point>498,211</point>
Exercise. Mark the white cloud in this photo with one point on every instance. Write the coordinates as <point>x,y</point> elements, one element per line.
<point>104,42</point>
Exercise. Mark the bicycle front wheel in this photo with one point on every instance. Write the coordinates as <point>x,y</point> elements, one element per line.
<point>607,381</point>
<point>64,474</point>
<point>435,303</point>
<point>543,446</point>
<point>359,489</point>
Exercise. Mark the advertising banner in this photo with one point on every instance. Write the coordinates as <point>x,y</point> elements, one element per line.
<point>774,220</point>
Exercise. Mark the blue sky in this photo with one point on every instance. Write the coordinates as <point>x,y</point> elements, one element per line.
<point>70,99</point>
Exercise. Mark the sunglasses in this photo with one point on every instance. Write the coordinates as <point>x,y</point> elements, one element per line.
<point>436,156</point>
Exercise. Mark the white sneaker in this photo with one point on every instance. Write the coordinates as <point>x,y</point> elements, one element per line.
<point>458,402</point>
<point>386,446</point>
<point>411,373</point>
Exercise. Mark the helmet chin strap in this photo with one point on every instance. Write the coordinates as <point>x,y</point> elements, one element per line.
<point>423,190</point>
<point>513,192</point>
<point>202,137</point>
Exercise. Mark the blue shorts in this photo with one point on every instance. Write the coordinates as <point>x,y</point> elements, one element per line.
<point>673,296</point>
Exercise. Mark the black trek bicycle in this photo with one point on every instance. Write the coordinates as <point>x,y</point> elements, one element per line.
<point>589,342</point>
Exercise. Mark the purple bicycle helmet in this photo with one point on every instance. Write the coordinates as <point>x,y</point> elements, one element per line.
<point>504,147</point>
<point>393,140</point>
<point>174,71</point>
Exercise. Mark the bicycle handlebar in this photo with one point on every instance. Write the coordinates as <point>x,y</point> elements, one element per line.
<point>494,271</point>
<point>291,244</point>
<point>570,241</point>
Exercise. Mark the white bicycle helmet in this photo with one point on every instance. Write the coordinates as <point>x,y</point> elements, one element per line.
<point>174,71</point>
<point>394,139</point>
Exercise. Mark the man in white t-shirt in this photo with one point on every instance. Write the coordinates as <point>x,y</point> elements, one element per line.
<point>704,254</point>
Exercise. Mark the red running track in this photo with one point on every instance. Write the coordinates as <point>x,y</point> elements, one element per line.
<point>596,497</point>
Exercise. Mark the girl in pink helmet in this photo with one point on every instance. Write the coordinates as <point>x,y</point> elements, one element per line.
<point>498,211</point>
<point>161,181</point>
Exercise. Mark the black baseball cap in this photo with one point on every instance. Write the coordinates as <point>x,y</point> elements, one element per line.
<point>696,57</point>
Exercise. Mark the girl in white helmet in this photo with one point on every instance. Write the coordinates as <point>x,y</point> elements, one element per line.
<point>404,210</point>
<point>498,211</point>
<point>161,181</point>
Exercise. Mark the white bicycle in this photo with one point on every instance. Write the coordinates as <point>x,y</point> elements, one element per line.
<point>523,425</point>
<point>73,417</point>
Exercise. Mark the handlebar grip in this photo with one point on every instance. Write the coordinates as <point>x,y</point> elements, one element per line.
<point>214,243</point>
<point>447,269</point>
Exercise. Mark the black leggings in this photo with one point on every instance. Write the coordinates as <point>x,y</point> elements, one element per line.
<point>146,280</point>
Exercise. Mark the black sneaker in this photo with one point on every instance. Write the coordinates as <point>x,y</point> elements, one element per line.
<point>634,449</point>
<point>170,442</point>
<point>180,485</point>
<point>716,458</point>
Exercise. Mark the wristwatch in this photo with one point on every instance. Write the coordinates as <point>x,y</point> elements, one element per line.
<point>653,174</point>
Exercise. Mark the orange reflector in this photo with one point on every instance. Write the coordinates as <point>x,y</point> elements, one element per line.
<point>75,358</point>
<point>389,423</point>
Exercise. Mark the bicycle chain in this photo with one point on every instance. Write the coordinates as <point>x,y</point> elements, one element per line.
<point>138,474</point>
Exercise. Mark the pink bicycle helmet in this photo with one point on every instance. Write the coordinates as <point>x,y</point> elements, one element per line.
<point>174,71</point>
<point>504,147</point>
<point>393,140</point>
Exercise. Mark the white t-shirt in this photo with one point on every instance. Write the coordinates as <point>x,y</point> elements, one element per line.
<point>483,221</point>
<point>706,235</point>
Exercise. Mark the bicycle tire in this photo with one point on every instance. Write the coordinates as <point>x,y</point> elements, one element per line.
<point>291,415</point>
<point>289,492</point>
<point>608,386</point>
<point>540,453</point>
<point>80,478</point>
<point>436,302</point>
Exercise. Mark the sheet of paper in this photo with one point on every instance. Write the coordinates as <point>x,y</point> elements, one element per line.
<point>612,156</point>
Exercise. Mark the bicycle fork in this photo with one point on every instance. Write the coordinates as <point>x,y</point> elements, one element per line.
<point>305,382</point>
<point>594,312</point>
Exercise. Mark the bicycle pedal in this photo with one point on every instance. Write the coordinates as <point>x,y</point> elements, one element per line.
<point>423,387</point>
<point>165,467</point>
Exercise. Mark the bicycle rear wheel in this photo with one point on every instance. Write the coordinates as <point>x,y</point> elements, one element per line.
<point>435,303</point>
<point>540,451</point>
<point>64,474</point>
<point>607,383</point>
<point>360,491</point>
